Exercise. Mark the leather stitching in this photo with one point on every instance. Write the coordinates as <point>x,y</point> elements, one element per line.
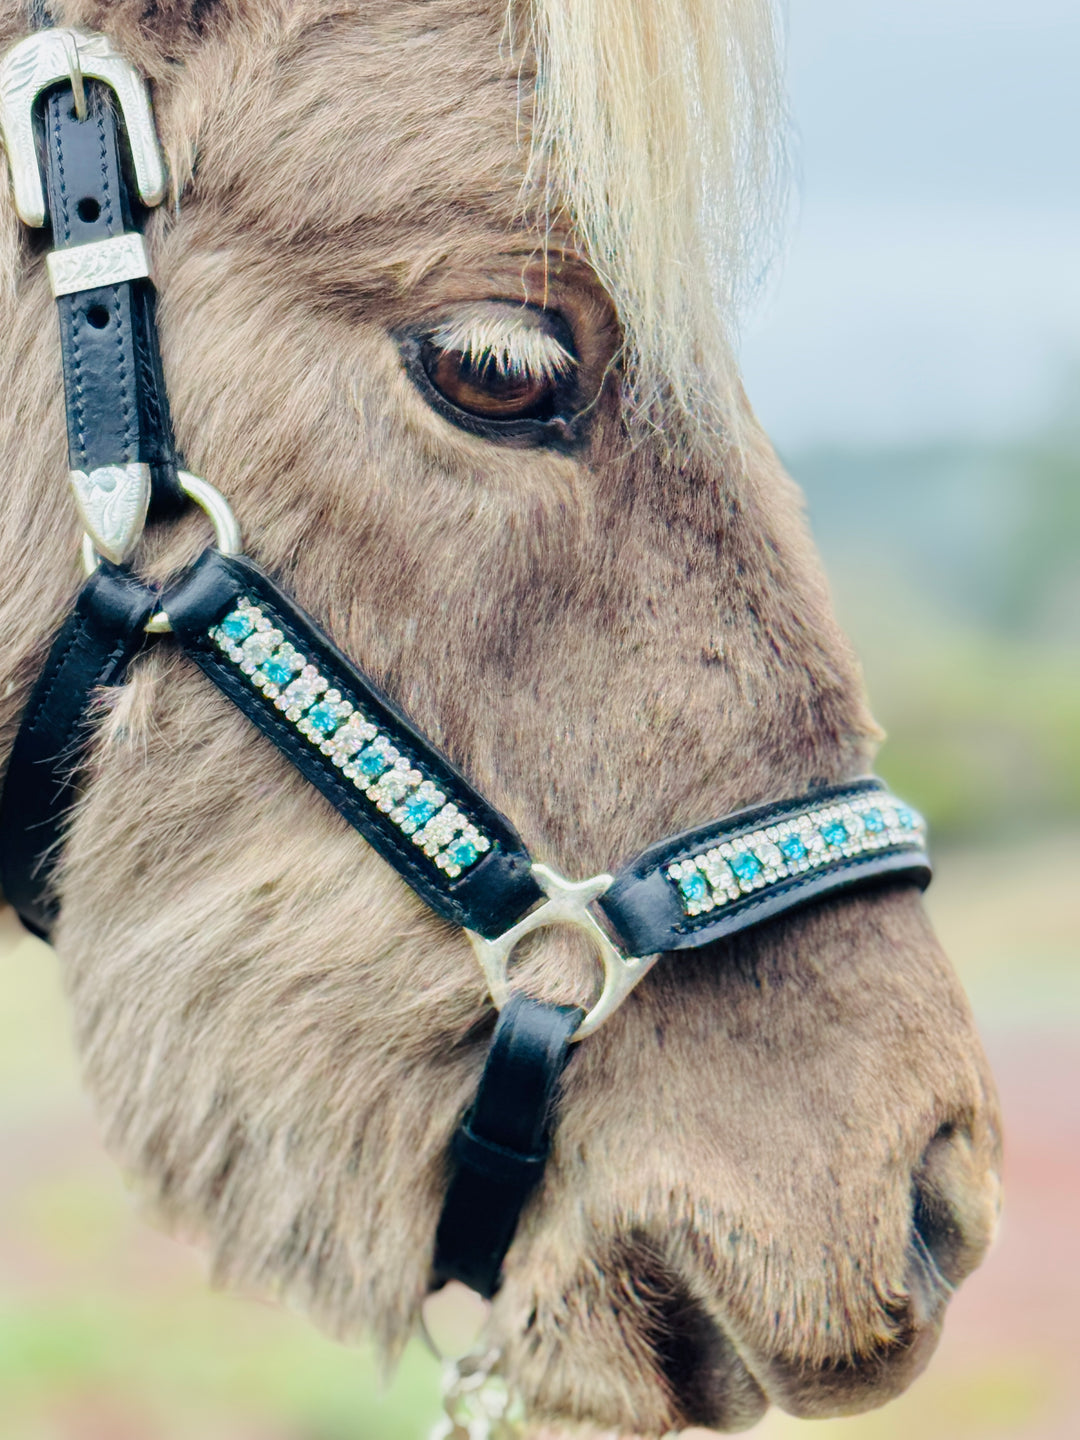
<point>74,317</point>
<point>104,153</point>
<point>835,872</point>
<point>78,635</point>
<point>121,312</point>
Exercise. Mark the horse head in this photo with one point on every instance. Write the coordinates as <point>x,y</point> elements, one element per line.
<point>446,303</point>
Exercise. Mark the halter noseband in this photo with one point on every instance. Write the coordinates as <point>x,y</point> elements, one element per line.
<point>384,777</point>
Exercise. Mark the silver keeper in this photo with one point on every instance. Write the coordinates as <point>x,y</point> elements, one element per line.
<point>102,262</point>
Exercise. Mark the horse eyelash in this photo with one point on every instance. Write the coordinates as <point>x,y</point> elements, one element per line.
<point>513,350</point>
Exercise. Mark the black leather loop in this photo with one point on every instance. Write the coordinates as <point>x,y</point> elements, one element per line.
<point>94,647</point>
<point>501,1148</point>
<point>490,896</point>
<point>117,408</point>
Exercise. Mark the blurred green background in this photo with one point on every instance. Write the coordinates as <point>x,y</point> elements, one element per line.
<point>918,369</point>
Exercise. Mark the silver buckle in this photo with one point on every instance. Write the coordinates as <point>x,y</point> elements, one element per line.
<point>44,59</point>
<point>567,904</point>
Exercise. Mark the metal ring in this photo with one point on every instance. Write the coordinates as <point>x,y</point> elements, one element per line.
<point>567,903</point>
<point>214,506</point>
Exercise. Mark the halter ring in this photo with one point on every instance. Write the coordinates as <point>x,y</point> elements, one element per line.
<point>213,504</point>
<point>567,904</point>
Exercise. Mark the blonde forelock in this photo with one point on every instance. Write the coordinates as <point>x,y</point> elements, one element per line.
<point>659,135</point>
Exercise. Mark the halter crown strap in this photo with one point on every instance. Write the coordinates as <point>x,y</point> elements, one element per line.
<point>121,452</point>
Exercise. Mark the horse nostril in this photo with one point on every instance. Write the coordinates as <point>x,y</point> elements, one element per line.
<point>954,1208</point>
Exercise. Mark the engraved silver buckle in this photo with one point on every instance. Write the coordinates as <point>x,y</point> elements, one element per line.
<point>567,903</point>
<point>44,59</point>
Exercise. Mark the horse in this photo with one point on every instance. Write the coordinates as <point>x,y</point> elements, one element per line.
<point>448,296</point>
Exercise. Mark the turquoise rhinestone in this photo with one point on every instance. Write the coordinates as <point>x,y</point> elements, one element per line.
<point>462,853</point>
<point>692,887</point>
<point>746,866</point>
<point>792,848</point>
<point>349,739</point>
<point>874,821</point>
<point>904,818</point>
<point>834,833</point>
<point>372,761</point>
<point>419,809</point>
<point>237,626</point>
<point>326,716</point>
<point>281,667</point>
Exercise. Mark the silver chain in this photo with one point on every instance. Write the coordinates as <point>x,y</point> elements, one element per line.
<point>478,1402</point>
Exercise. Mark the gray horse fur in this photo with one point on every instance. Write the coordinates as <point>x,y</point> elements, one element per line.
<point>278,1037</point>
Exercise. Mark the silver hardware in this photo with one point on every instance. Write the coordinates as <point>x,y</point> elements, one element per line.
<point>112,502</point>
<point>227,535</point>
<point>567,904</point>
<point>102,262</point>
<point>75,73</point>
<point>479,1403</point>
<point>40,61</point>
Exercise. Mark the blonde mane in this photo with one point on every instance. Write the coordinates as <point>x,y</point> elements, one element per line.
<point>660,134</point>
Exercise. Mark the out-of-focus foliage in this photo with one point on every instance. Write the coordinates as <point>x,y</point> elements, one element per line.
<point>956,570</point>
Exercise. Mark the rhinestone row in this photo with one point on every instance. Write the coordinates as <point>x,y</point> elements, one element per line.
<point>339,729</point>
<point>728,871</point>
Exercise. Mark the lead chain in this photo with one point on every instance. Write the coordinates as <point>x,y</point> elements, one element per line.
<point>479,1404</point>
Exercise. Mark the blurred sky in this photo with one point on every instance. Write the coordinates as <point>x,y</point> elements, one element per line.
<point>932,282</point>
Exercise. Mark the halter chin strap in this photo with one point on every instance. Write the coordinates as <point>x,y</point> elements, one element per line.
<point>461,856</point>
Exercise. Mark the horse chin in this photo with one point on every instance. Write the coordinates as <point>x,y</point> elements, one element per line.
<point>706,1383</point>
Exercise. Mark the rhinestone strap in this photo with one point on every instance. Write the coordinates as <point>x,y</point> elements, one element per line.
<point>374,760</point>
<point>727,871</point>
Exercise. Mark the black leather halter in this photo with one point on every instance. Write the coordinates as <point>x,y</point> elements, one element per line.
<point>409,802</point>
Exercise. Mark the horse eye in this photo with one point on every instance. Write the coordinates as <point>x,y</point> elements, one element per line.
<point>481,387</point>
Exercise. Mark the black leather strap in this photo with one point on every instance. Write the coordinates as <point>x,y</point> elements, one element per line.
<point>645,908</point>
<point>490,895</point>
<point>94,648</point>
<point>501,1148</point>
<point>117,408</point>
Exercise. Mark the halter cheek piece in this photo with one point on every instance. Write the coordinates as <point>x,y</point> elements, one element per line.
<point>458,853</point>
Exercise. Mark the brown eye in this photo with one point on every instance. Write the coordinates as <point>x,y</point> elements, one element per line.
<point>484,388</point>
<point>504,370</point>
